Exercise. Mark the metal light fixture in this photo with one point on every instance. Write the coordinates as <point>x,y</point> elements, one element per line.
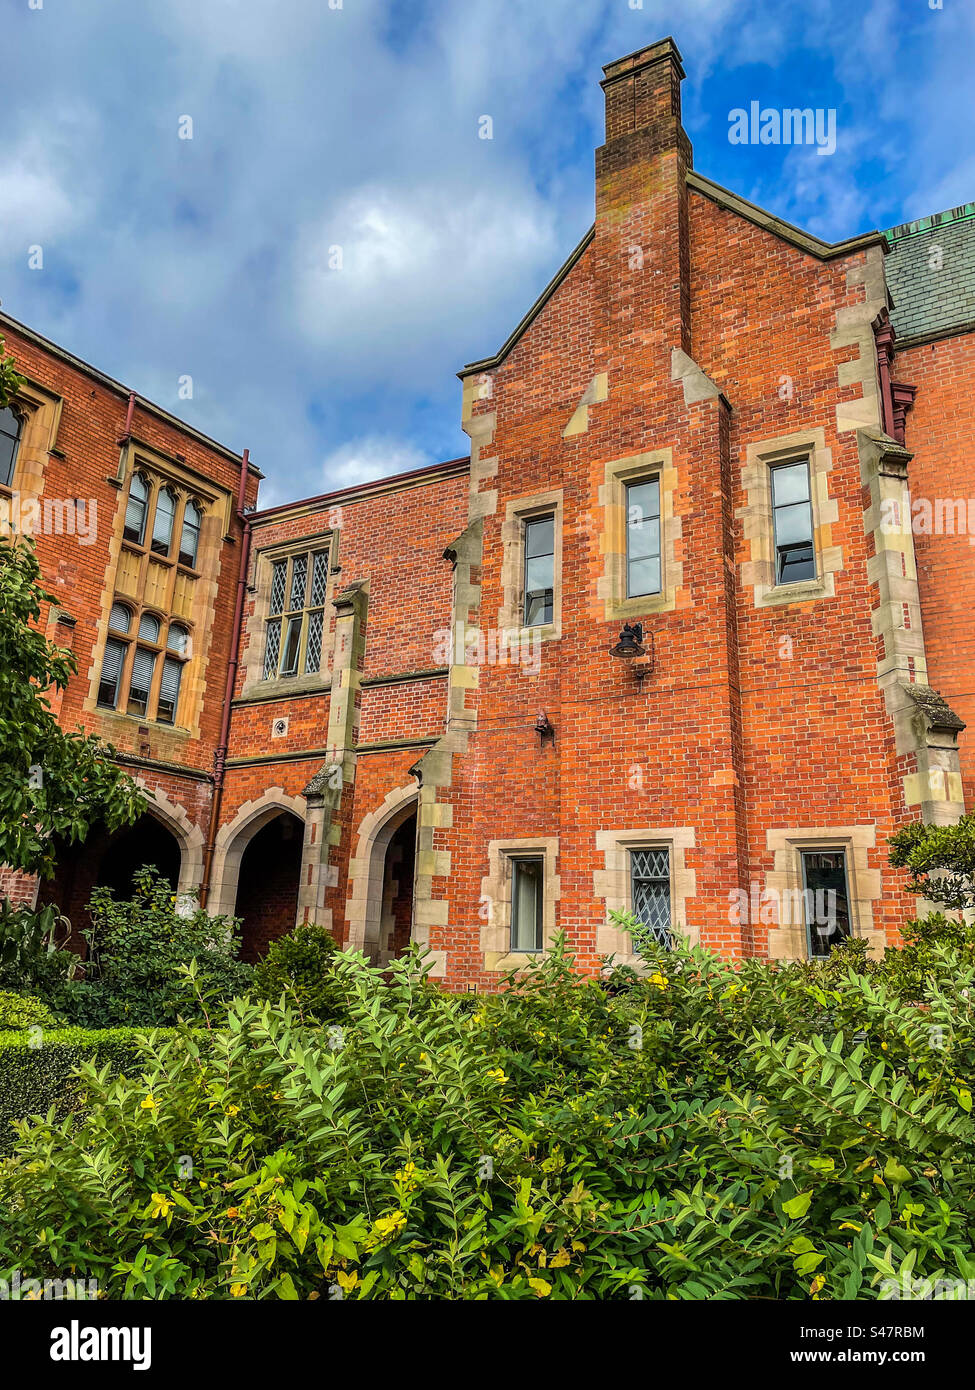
<point>631,642</point>
<point>631,645</point>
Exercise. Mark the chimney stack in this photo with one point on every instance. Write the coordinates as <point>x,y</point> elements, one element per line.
<point>642,88</point>
<point>642,251</point>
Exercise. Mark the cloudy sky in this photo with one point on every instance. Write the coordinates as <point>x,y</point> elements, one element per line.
<point>354,124</point>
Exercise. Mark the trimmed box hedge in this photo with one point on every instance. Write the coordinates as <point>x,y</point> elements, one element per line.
<point>33,1078</point>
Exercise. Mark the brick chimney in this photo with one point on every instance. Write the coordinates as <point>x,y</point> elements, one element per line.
<point>642,253</point>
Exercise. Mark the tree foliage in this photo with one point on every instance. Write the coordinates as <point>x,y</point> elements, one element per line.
<point>54,784</point>
<point>940,860</point>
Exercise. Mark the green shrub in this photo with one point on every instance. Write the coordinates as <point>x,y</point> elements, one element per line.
<point>301,966</point>
<point>23,1011</point>
<point>38,1072</point>
<point>137,949</point>
<point>32,948</point>
<point>715,1129</point>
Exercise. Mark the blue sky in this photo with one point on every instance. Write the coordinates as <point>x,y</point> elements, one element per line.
<point>357,127</point>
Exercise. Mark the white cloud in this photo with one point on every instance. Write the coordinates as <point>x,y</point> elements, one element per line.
<point>369,457</point>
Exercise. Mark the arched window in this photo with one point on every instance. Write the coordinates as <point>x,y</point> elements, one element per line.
<point>149,628</point>
<point>10,427</point>
<point>178,640</point>
<point>189,540</point>
<point>120,618</point>
<point>136,508</point>
<point>162,522</point>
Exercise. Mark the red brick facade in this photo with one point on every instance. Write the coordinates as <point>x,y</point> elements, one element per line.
<point>692,339</point>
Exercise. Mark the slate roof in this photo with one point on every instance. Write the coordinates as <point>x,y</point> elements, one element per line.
<point>928,301</point>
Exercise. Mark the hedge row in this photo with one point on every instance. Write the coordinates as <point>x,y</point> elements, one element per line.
<point>33,1077</point>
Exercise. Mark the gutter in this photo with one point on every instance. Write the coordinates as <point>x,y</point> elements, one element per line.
<point>220,756</point>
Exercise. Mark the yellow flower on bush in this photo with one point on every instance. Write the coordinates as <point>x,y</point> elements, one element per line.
<point>232,1110</point>
<point>148,1104</point>
<point>233,1213</point>
<point>660,981</point>
<point>160,1206</point>
<point>496,1074</point>
<point>386,1227</point>
<point>238,1290</point>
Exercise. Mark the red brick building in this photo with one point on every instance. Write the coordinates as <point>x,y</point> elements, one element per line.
<point>688,633</point>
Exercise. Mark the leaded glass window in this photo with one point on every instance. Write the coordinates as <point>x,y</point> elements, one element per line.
<point>296,625</point>
<point>650,891</point>
<point>279,572</point>
<point>271,649</point>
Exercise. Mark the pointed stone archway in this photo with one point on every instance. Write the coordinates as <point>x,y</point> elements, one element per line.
<point>380,908</point>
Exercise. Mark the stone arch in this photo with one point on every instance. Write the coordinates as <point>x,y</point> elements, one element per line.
<point>188,836</point>
<point>366,869</point>
<point>234,837</point>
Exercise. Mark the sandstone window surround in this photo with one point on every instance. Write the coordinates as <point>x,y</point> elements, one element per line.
<point>785,883</point>
<point>150,630</point>
<point>613,884</point>
<point>496,899</point>
<point>35,414</point>
<point>519,512</point>
<point>613,587</point>
<point>287,632</point>
<point>153,637</point>
<point>759,570</point>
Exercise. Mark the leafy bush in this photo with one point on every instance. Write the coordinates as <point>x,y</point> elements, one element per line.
<point>23,1011</point>
<point>32,950</point>
<point>714,1129</point>
<point>38,1074</point>
<point>301,967</point>
<point>136,951</point>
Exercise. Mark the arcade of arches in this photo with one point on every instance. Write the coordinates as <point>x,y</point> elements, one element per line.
<point>268,857</point>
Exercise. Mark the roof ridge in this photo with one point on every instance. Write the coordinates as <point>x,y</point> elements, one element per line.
<point>926,224</point>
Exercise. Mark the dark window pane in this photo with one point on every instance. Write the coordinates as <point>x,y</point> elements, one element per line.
<point>189,541</point>
<point>526,905</point>
<point>827,903</point>
<point>162,522</point>
<point>299,573</point>
<point>292,641</point>
<point>795,562</point>
<point>650,891</point>
<point>319,578</point>
<point>111,673</point>
<point>271,649</point>
<point>313,649</point>
<point>792,521</point>
<point>10,425</point>
<point>141,683</point>
<point>172,674</point>
<point>135,510</point>
<point>538,608</point>
<point>277,586</point>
